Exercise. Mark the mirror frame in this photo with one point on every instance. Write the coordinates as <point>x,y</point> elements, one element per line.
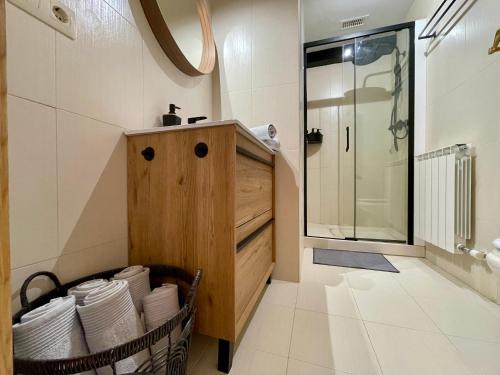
<point>171,48</point>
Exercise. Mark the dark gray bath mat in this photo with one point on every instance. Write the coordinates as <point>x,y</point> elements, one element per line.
<point>352,259</point>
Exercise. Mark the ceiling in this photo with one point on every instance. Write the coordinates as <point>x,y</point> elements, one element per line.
<point>322,17</point>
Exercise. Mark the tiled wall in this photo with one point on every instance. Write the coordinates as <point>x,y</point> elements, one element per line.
<point>258,45</point>
<point>463,84</point>
<point>69,103</point>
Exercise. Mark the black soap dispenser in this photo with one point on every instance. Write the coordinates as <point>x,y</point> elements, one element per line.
<point>171,117</point>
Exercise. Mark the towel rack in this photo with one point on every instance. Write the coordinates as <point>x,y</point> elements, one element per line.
<point>430,29</point>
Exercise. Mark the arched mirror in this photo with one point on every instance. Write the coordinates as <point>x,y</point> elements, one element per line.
<point>184,30</point>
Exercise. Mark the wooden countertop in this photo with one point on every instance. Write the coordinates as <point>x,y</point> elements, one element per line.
<point>239,126</point>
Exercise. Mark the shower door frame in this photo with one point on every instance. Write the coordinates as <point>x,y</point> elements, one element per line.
<point>410,26</point>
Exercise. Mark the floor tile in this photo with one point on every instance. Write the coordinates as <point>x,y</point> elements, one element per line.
<point>270,329</point>
<point>246,361</point>
<point>462,318</point>
<point>281,293</point>
<point>329,299</point>
<point>332,342</point>
<point>427,282</point>
<point>199,346</point>
<point>409,352</point>
<point>480,357</point>
<point>393,309</point>
<point>303,368</point>
<point>374,281</point>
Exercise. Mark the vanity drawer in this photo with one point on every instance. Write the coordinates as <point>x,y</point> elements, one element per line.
<point>253,262</point>
<point>251,226</point>
<point>254,188</point>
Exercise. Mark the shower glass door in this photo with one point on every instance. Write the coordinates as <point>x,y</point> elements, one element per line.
<point>330,155</point>
<point>382,135</point>
<point>357,163</point>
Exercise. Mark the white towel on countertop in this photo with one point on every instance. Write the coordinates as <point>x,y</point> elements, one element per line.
<point>263,132</point>
<point>159,306</point>
<point>51,331</point>
<point>138,281</point>
<point>82,290</point>
<point>109,318</point>
<point>274,144</point>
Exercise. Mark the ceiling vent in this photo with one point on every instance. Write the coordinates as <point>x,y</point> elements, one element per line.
<point>351,23</point>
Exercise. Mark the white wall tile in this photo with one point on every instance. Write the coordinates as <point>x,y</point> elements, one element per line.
<point>31,60</point>
<point>275,59</point>
<point>92,182</point>
<point>237,105</point>
<point>37,287</point>
<point>33,182</point>
<point>278,105</point>
<point>99,75</point>
<point>232,25</point>
<point>83,263</point>
<point>125,8</point>
<point>165,84</point>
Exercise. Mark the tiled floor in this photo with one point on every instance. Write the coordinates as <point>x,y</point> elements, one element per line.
<point>340,321</point>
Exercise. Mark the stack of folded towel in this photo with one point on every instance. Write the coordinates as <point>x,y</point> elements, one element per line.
<point>81,290</point>
<point>267,134</point>
<point>109,318</point>
<point>51,331</point>
<point>138,281</point>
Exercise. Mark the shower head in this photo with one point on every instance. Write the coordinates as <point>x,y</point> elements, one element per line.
<point>370,50</point>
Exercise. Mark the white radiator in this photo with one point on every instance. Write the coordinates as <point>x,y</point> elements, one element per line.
<point>443,195</point>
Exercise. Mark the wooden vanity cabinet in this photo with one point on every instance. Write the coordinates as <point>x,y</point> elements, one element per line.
<point>203,197</point>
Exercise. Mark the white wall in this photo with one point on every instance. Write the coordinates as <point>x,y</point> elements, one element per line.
<point>463,107</point>
<point>258,45</point>
<point>69,103</point>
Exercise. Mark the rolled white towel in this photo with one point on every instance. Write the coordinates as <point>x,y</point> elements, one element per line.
<point>159,306</point>
<point>109,318</point>
<point>274,144</point>
<point>138,281</point>
<point>51,331</point>
<point>263,132</point>
<point>82,290</point>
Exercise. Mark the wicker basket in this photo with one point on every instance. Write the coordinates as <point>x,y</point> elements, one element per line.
<point>172,359</point>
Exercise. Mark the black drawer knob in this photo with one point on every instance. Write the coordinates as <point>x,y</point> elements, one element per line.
<point>201,150</point>
<point>148,153</point>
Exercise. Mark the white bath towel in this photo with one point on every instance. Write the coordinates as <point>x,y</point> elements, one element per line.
<point>138,281</point>
<point>109,319</point>
<point>82,290</point>
<point>159,306</point>
<point>263,132</point>
<point>274,144</point>
<point>51,331</point>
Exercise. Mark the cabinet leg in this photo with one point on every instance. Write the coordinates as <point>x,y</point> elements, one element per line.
<point>225,360</point>
<point>268,282</point>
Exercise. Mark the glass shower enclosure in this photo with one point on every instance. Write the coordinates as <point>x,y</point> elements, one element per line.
<point>358,159</point>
